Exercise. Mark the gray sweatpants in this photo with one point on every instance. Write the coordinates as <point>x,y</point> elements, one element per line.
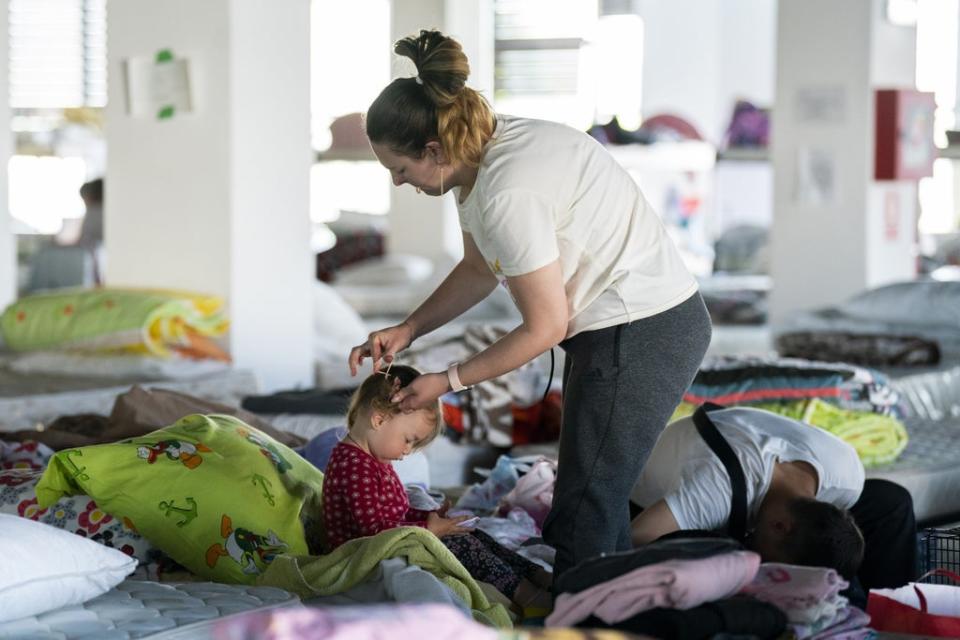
<point>620,386</point>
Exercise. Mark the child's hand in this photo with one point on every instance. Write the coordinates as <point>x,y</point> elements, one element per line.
<point>440,526</point>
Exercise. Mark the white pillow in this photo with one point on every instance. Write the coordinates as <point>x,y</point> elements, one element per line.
<point>337,328</point>
<point>391,269</point>
<point>44,568</point>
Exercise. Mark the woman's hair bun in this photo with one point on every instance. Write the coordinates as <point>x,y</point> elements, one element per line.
<point>441,64</point>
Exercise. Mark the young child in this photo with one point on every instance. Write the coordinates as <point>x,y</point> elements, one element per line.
<point>363,496</point>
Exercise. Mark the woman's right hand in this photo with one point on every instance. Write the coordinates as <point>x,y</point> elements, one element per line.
<point>381,346</point>
<point>440,526</point>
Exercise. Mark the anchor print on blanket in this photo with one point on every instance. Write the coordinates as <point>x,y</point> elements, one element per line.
<point>185,513</point>
<point>245,547</point>
<point>186,452</point>
<point>267,448</point>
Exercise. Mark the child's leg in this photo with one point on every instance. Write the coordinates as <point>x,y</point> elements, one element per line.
<point>484,565</point>
<point>526,568</point>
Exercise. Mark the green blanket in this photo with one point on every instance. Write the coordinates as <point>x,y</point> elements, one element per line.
<point>878,439</point>
<point>350,563</point>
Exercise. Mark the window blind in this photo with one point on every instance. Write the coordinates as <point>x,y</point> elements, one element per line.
<point>58,53</point>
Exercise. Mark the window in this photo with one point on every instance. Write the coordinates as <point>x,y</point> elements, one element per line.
<point>349,69</point>
<point>564,60</point>
<point>937,72</point>
<point>58,54</point>
<point>57,89</point>
<point>538,52</point>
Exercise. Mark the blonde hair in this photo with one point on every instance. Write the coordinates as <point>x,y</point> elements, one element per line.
<point>436,105</point>
<point>374,395</point>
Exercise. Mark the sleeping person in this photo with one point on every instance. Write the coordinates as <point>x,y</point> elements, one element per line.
<point>363,496</point>
<point>806,501</point>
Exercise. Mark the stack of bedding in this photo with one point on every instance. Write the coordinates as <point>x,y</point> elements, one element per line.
<point>89,321</point>
<point>79,342</point>
<point>214,498</point>
<point>748,380</point>
<point>74,351</point>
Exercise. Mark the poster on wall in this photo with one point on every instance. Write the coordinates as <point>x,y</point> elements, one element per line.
<point>820,105</point>
<point>158,86</point>
<point>816,179</point>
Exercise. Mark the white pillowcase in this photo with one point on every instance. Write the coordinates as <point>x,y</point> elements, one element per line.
<point>44,568</point>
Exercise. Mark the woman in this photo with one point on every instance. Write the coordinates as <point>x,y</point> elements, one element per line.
<point>548,212</point>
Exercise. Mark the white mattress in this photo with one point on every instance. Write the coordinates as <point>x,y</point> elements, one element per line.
<point>141,609</point>
<point>932,393</point>
<point>26,401</point>
<point>929,468</point>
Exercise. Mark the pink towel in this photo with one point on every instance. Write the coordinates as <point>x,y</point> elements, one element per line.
<point>678,584</point>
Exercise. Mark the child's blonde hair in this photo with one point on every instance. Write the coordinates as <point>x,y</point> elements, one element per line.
<point>375,392</point>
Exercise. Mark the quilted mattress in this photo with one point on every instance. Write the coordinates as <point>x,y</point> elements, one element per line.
<point>142,609</point>
<point>929,468</point>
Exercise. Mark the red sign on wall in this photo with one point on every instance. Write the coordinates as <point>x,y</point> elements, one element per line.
<point>904,135</point>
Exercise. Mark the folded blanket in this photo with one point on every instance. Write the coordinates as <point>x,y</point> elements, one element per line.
<point>677,584</point>
<point>804,594</point>
<point>116,320</point>
<point>750,380</point>
<point>351,562</point>
<point>878,439</point>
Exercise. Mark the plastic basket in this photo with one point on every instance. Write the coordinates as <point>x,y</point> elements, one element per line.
<point>939,549</point>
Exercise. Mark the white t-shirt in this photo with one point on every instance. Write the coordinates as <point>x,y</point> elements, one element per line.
<point>694,483</point>
<point>546,191</point>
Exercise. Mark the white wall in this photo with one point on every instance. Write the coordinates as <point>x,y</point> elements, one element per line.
<point>817,250</point>
<point>681,72</point>
<point>748,46</point>
<point>168,182</point>
<point>471,23</point>
<point>701,55</point>
<point>823,252</point>
<point>217,200</point>
<point>8,252</point>
<point>272,267</point>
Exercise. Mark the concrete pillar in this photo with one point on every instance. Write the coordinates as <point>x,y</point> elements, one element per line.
<point>836,231</point>
<point>421,224</point>
<point>216,200</point>
<point>8,245</point>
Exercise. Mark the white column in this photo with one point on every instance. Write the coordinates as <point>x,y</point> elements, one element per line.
<point>681,62</point>
<point>8,245</point>
<point>831,235</point>
<point>216,200</point>
<point>420,224</point>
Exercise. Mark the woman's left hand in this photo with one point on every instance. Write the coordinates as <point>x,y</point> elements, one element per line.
<point>422,392</point>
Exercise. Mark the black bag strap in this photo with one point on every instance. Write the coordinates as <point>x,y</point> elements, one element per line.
<point>737,524</point>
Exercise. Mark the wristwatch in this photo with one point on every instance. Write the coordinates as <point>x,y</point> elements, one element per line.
<point>453,377</point>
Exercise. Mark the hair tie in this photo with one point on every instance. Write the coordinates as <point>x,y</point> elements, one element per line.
<point>418,79</point>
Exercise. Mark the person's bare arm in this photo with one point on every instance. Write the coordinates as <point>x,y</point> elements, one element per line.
<point>652,523</point>
<point>542,300</point>
<point>468,283</point>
